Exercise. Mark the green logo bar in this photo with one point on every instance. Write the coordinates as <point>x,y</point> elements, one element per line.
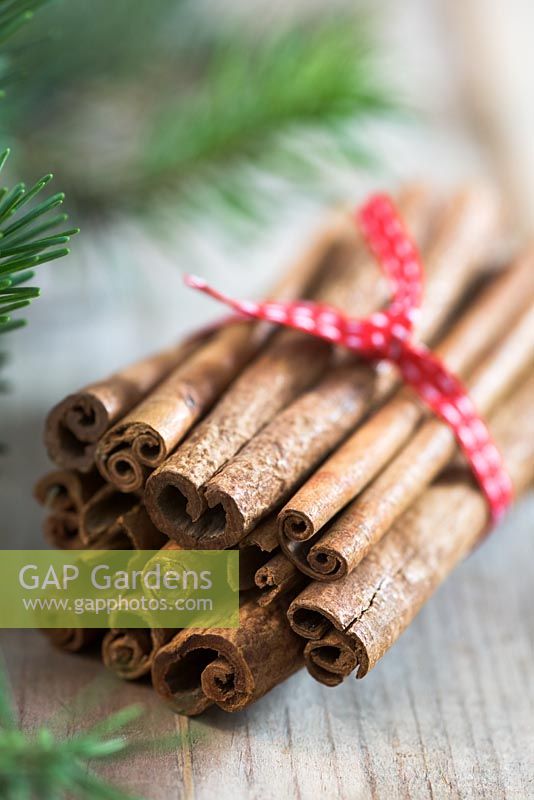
<point>119,588</point>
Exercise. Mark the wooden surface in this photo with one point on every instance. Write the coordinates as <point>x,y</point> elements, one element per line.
<point>448,712</point>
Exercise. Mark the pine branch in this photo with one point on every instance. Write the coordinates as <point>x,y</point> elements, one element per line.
<point>43,765</point>
<point>22,246</point>
<point>40,766</point>
<point>206,116</point>
<point>256,102</point>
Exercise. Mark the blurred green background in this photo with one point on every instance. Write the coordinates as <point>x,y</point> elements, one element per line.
<point>193,105</point>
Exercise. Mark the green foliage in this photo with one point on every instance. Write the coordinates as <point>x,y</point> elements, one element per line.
<point>52,763</point>
<point>256,102</point>
<point>41,766</point>
<point>26,243</point>
<point>13,15</point>
<point>208,116</point>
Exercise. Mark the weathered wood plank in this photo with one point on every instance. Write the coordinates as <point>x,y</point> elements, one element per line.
<point>447,713</point>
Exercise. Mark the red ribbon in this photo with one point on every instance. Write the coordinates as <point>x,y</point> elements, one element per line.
<point>387,335</point>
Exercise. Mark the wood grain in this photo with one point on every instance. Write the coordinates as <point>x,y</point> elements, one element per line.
<point>446,714</point>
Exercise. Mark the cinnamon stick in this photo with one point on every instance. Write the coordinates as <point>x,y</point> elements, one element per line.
<point>255,550</point>
<point>289,365</point>
<point>76,424</point>
<point>229,667</point>
<point>136,526</point>
<point>277,577</point>
<point>129,652</point>
<point>366,519</point>
<point>354,465</point>
<point>330,659</point>
<point>150,432</point>
<point>264,536</point>
<point>272,465</point>
<point>373,605</point>
<point>251,559</point>
<point>102,512</point>
<point>64,493</point>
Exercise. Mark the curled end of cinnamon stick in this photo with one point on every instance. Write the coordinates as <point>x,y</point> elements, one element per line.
<point>128,452</point>
<point>326,563</point>
<point>307,621</point>
<point>128,653</point>
<point>275,578</point>
<point>295,525</point>
<point>235,527</point>
<point>177,679</point>
<point>194,670</point>
<point>170,498</point>
<point>331,659</point>
<point>72,429</point>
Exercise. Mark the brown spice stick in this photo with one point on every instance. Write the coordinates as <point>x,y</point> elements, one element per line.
<point>136,526</point>
<point>264,536</point>
<point>325,556</point>
<point>101,513</point>
<point>251,559</point>
<point>270,467</point>
<point>229,667</point>
<point>290,364</point>
<point>76,424</point>
<point>255,550</point>
<point>148,434</point>
<point>64,492</point>
<point>354,465</point>
<point>375,603</point>
<point>366,519</point>
<point>330,659</point>
<point>129,652</point>
<point>277,577</point>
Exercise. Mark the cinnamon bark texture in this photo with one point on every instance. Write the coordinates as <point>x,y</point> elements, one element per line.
<point>369,517</point>
<point>277,460</point>
<point>264,536</point>
<point>255,550</point>
<point>375,603</point>
<point>64,493</point>
<point>373,445</point>
<point>229,667</point>
<point>137,527</point>
<point>102,512</point>
<point>149,433</point>
<point>251,559</point>
<point>76,424</point>
<point>289,365</point>
<point>277,577</point>
<point>129,653</point>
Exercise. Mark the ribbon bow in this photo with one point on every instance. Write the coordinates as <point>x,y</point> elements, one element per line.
<point>388,335</point>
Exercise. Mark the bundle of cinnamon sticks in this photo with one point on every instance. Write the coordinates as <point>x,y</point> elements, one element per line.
<point>348,501</point>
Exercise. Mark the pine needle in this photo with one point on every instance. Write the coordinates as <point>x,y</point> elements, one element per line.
<point>22,247</point>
